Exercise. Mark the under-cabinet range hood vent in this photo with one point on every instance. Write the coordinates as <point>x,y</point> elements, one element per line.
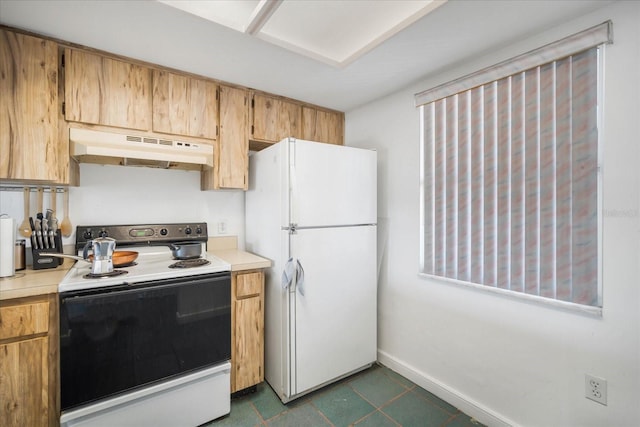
<point>137,150</point>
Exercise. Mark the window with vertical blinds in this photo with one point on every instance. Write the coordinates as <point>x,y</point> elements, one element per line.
<point>510,175</point>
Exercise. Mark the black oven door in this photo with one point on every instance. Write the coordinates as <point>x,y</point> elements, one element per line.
<point>127,336</point>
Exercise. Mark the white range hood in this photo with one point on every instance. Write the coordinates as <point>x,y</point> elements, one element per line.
<point>152,150</point>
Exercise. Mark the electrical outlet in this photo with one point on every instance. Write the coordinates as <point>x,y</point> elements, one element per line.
<point>222,227</point>
<point>595,389</point>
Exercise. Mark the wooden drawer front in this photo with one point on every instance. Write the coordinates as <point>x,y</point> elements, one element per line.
<point>248,284</point>
<point>23,320</point>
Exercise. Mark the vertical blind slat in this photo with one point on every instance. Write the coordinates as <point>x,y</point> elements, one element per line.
<point>477,185</point>
<point>563,180</point>
<point>451,180</point>
<point>503,194</point>
<point>464,190</point>
<point>428,112</point>
<point>490,197</point>
<point>517,174</point>
<point>584,178</point>
<point>532,177</point>
<point>547,181</point>
<point>439,188</point>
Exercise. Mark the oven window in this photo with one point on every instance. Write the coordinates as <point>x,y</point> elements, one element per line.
<point>123,337</point>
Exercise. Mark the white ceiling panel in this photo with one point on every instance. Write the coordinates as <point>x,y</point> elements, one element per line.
<point>338,32</point>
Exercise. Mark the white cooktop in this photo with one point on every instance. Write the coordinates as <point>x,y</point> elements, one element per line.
<point>152,264</point>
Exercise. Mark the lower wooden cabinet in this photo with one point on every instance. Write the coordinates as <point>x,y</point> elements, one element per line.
<point>29,361</point>
<point>247,329</point>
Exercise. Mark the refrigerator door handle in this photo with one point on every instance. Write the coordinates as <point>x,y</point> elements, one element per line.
<point>293,271</point>
<point>299,277</point>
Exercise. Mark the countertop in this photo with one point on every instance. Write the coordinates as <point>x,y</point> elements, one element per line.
<point>30,282</point>
<point>241,260</point>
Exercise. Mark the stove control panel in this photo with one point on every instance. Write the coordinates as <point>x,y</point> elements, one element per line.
<point>137,234</point>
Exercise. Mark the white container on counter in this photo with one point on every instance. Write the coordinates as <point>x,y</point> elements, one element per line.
<point>7,246</point>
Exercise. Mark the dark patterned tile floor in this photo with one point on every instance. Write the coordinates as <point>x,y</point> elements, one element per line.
<point>376,397</point>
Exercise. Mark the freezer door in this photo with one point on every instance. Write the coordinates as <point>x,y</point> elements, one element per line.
<point>334,331</point>
<point>331,184</point>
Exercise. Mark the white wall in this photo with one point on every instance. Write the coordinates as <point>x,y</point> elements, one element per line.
<point>503,360</point>
<point>137,195</point>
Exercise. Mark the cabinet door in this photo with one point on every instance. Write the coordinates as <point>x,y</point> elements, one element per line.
<point>29,109</point>
<point>29,361</point>
<point>275,119</point>
<point>105,91</point>
<point>25,383</point>
<point>248,343</point>
<point>232,156</point>
<point>322,126</point>
<point>184,105</point>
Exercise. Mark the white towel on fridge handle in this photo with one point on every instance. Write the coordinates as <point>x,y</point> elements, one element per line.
<point>293,269</point>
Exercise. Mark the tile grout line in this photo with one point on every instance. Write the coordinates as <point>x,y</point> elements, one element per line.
<point>384,414</point>
<point>376,408</point>
<point>262,420</point>
<point>321,413</point>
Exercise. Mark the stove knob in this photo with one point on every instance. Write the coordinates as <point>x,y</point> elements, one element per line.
<point>164,231</point>
<point>187,230</point>
<point>87,235</point>
<point>198,230</point>
<point>103,233</point>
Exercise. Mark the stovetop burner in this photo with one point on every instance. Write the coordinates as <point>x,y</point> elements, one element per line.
<point>114,273</point>
<point>188,263</point>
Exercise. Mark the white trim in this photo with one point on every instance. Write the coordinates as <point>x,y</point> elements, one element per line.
<point>602,33</point>
<point>564,305</point>
<point>464,403</point>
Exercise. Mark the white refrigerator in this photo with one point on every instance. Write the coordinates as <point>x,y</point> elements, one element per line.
<point>311,209</point>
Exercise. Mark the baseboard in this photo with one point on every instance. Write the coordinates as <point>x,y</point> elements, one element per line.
<point>460,401</point>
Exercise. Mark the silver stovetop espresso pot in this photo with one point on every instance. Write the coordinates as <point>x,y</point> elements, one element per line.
<point>102,248</point>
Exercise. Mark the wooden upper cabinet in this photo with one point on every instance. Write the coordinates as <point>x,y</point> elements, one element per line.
<point>105,91</point>
<point>29,110</point>
<point>322,125</point>
<point>231,153</point>
<point>184,105</point>
<point>274,119</point>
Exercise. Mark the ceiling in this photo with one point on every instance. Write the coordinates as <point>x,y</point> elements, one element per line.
<point>385,63</point>
<point>334,32</point>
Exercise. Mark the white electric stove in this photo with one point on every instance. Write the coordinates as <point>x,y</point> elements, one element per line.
<point>150,344</point>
